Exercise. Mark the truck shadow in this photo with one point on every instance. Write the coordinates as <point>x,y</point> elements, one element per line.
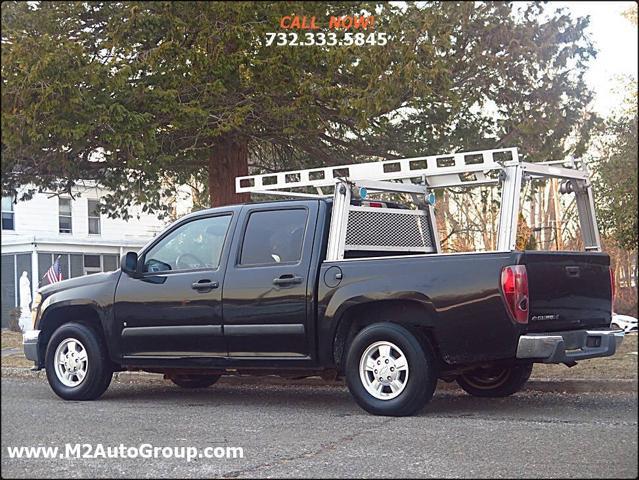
<point>336,400</point>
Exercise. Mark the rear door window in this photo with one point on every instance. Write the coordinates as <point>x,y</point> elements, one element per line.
<point>274,236</point>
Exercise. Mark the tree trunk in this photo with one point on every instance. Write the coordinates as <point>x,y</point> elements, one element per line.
<point>442,213</point>
<point>228,160</point>
<point>543,233</point>
<point>533,205</point>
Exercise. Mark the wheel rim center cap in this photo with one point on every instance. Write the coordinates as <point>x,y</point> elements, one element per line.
<point>385,371</point>
<point>71,363</point>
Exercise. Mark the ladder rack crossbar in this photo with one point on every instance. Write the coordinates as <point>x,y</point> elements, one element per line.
<point>448,170</point>
<point>547,169</point>
<point>427,166</point>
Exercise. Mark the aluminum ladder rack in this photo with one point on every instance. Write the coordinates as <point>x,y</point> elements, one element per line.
<point>465,169</point>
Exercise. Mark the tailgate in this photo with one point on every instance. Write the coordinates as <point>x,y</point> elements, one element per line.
<point>568,290</point>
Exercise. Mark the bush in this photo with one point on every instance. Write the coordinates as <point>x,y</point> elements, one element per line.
<point>626,301</point>
<point>14,316</point>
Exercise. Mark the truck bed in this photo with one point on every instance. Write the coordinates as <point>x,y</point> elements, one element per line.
<point>458,300</point>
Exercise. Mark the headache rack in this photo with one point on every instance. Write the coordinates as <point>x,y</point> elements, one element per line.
<point>359,228</point>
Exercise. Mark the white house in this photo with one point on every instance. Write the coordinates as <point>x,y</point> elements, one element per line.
<point>36,232</point>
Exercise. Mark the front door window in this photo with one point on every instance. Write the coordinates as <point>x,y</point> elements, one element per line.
<point>195,245</point>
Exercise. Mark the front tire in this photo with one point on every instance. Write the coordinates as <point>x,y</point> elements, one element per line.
<point>388,372</point>
<point>77,363</point>
<point>495,381</point>
<point>195,381</point>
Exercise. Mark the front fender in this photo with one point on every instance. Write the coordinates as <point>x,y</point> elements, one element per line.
<point>90,302</point>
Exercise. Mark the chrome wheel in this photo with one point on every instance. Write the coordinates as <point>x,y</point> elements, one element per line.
<point>71,362</point>
<point>383,370</point>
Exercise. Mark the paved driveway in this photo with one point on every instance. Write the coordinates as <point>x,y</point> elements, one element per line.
<point>310,431</point>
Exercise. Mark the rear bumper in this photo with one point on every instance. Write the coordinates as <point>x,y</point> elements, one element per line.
<point>571,346</point>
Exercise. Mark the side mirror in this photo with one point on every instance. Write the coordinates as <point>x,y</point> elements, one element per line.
<point>130,263</point>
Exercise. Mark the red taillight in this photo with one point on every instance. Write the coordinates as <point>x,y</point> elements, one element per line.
<point>514,284</point>
<point>376,204</point>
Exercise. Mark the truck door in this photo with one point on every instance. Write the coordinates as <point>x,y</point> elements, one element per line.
<point>173,306</point>
<point>267,289</point>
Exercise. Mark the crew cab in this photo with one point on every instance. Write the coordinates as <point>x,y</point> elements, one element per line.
<point>331,285</point>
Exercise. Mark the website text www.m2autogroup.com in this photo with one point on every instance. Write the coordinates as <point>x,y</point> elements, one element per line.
<point>121,451</point>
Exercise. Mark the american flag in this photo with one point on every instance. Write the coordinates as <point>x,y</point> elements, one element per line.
<point>54,274</point>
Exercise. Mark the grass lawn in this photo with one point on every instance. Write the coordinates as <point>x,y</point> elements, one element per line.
<point>13,340</point>
<point>622,365</point>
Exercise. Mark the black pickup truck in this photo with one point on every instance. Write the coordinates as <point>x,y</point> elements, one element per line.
<point>247,290</point>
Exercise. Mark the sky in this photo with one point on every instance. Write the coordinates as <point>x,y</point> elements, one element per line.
<point>616,39</point>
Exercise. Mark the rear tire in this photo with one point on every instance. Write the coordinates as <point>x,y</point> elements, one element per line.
<point>77,363</point>
<point>388,372</point>
<point>495,381</point>
<point>195,381</point>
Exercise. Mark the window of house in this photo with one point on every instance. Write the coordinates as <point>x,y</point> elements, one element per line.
<point>94,218</point>
<point>7,214</point>
<point>77,265</point>
<point>45,260</point>
<point>65,215</point>
<point>64,264</point>
<point>110,263</point>
<point>274,236</point>
<point>92,264</point>
<point>8,287</point>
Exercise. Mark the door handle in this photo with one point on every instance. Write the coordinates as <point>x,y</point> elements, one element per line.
<point>288,279</point>
<point>204,285</point>
<point>573,272</point>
